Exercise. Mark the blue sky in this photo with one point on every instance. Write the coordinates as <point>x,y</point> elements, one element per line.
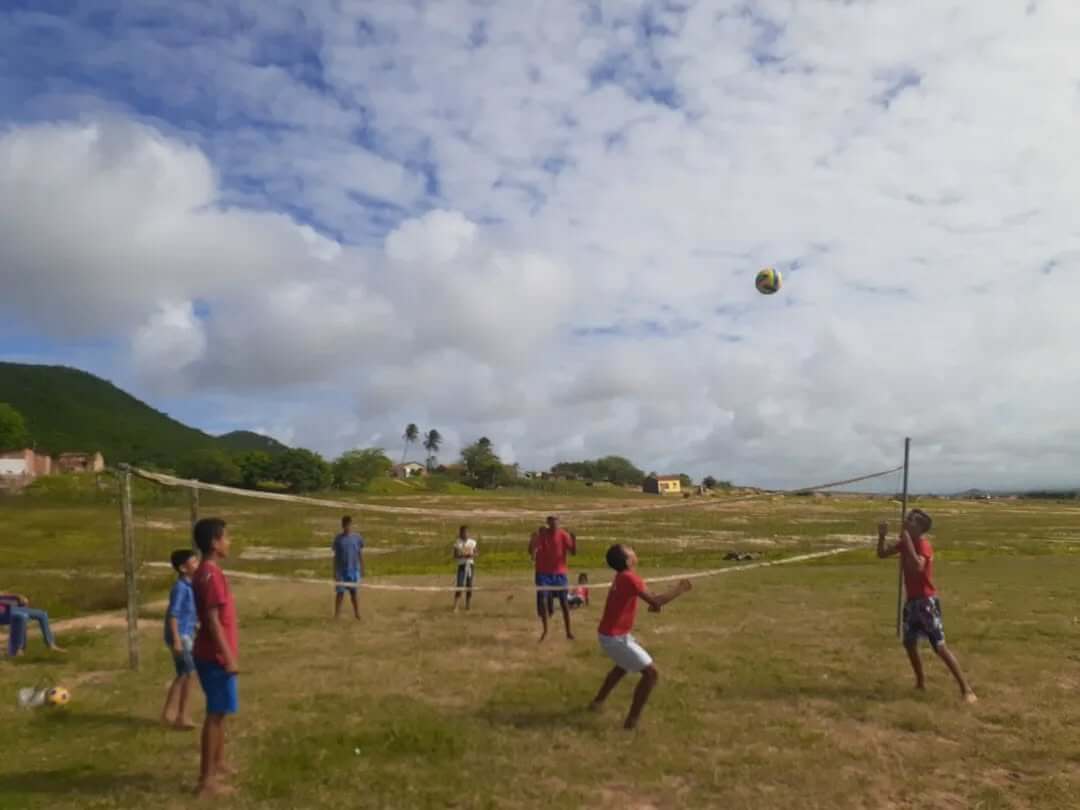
<point>326,220</point>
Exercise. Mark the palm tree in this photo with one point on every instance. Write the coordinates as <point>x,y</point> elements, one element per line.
<point>411,434</point>
<point>432,440</point>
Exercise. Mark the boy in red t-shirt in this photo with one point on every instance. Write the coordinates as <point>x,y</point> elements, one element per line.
<point>922,610</point>
<point>216,651</point>
<point>616,624</point>
<point>548,548</point>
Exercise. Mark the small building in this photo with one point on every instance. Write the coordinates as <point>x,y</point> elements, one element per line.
<point>662,485</point>
<point>410,469</point>
<point>19,467</point>
<point>80,462</point>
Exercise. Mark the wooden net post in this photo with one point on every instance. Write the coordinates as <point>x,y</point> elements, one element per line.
<point>127,535</point>
<point>194,504</point>
<point>903,517</point>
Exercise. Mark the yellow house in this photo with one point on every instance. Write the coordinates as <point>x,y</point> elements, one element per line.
<point>662,485</point>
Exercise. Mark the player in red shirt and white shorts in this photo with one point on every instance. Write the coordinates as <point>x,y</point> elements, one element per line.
<point>922,610</point>
<point>616,624</point>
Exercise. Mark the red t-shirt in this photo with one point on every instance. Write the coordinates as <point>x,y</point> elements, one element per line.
<point>212,591</point>
<point>551,550</point>
<point>621,606</point>
<point>920,584</point>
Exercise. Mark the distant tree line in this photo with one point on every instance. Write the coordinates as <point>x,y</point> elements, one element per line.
<point>301,470</point>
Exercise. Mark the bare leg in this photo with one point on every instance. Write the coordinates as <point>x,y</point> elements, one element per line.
<point>182,719</point>
<point>355,604</point>
<point>208,762</point>
<point>916,664</point>
<point>468,598</point>
<point>966,692</point>
<point>541,611</point>
<point>649,678</point>
<point>338,597</point>
<point>457,596</point>
<point>610,682</point>
<point>220,767</point>
<point>170,712</point>
<point>565,615</point>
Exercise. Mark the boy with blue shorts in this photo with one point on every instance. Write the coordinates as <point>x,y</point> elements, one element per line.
<point>180,621</point>
<point>548,548</point>
<point>216,651</point>
<point>348,565</point>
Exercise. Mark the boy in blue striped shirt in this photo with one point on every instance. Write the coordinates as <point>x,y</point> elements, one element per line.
<point>180,621</point>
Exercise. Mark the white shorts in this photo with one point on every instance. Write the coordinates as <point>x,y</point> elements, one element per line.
<point>625,652</point>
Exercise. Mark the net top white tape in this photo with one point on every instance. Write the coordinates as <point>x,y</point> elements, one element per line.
<point>381,586</point>
<point>173,481</point>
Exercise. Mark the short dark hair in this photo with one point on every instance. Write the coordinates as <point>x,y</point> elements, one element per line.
<point>462,529</point>
<point>582,577</point>
<point>206,531</point>
<point>616,557</point>
<point>926,519</point>
<point>347,520</point>
<point>180,556</point>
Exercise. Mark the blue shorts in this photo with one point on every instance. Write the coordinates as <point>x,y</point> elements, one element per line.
<point>550,581</point>
<point>346,576</point>
<point>219,687</point>
<point>922,617</point>
<point>184,663</point>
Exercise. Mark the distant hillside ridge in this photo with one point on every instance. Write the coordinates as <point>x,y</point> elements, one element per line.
<point>69,410</point>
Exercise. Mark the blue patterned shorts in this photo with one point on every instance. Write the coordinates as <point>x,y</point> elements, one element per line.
<point>922,617</point>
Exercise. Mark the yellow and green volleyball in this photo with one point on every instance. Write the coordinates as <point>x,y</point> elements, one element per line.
<point>768,281</point>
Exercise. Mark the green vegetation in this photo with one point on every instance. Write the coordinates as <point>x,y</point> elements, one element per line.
<point>360,467</point>
<point>483,469</point>
<point>210,465</point>
<point>432,443</point>
<point>13,433</point>
<point>245,441</point>
<point>613,469</point>
<point>410,436</point>
<point>780,687</point>
<point>70,410</point>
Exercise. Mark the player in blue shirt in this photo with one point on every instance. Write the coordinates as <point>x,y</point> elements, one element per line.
<point>348,565</point>
<point>180,621</point>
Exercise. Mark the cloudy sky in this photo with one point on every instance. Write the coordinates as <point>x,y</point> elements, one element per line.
<point>540,220</point>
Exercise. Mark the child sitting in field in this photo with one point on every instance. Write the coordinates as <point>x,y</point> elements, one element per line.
<point>180,621</point>
<point>16,611</point>
<point>616,624</point>
<point>922,610</point>
<point>579,596</point>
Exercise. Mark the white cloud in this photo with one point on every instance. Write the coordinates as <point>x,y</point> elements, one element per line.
<point>168,343</point>
<point>541,223</point>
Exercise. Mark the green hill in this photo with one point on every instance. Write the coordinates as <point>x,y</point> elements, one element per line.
<point>70,410</point>
<point>243,441</point>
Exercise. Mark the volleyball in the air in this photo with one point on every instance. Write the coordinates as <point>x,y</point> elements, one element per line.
<point>768,281</point>
<point>57,696</point>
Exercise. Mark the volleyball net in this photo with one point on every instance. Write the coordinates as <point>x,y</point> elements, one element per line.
<point>286,538</point>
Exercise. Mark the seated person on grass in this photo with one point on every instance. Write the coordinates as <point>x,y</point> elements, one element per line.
<point>16,609</point>
<point>579,596</point>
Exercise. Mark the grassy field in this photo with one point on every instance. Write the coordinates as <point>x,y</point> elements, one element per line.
<point>780,687</point>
